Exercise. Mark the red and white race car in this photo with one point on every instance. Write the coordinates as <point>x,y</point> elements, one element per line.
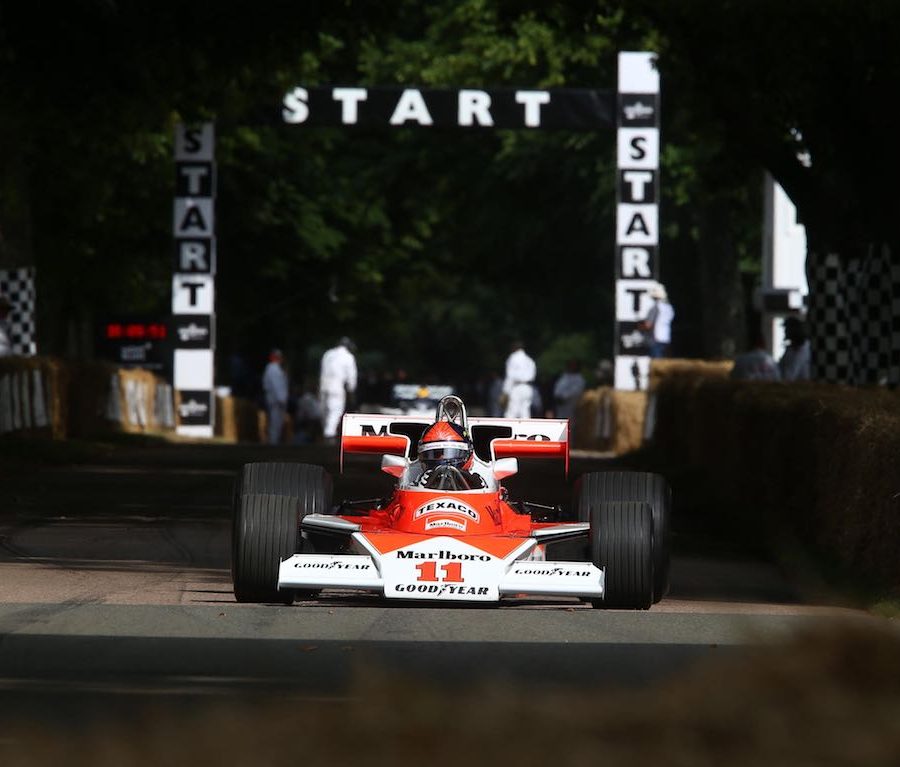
<point>442,537</point>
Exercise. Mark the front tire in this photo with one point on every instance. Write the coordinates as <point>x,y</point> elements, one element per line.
<point>627,486</point>
<point>621,541</point>
<point>270,502</point>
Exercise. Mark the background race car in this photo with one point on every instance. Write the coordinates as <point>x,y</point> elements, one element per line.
<point>416,399</point>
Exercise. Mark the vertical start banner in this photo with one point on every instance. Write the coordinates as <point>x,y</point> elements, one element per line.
<point>193,280</point>
<point>637,213</point>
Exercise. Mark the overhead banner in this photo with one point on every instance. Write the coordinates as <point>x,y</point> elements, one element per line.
<point>633,109</point>
<point>580,109</point>
<point>193,278</point>
<point>637,214</point>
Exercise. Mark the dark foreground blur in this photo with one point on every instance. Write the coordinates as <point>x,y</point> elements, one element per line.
<point>832,697</point>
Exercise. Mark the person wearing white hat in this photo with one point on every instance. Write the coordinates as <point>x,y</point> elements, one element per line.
<point>658,322</point>
<point>337,378</point>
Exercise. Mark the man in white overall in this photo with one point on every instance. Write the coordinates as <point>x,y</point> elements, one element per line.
<point>518,386</point>
<point>337,378</point>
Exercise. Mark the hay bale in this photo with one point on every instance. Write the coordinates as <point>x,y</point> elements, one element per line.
<point>139,392</point>
<point>661,369</point>
<point>34,396</point>
<point>629,410</point>
<point>94,400</point>
<point>608,420</point>
<point>237,420</point>
<point>817,461</point>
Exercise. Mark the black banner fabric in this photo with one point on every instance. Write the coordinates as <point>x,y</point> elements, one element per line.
<point>385,107</point>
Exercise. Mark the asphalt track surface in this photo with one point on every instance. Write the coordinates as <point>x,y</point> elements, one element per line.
<point>115,586</point>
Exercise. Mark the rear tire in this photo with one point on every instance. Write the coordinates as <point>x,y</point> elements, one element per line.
<point>621,542</point>
<point>270,502</point>
<point>605,486</point>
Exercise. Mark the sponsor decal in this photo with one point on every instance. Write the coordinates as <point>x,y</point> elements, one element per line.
<point>134,353</point>
<point>333,565</point>
<point>633,340</point>
<point>443,554</point>
<point>192,408</point>
<point>192,332</point>
<point>454,524</point>
<point>436,589</point>
<point>638,110</point>
<point>554,571</point>
<point>446,506</point>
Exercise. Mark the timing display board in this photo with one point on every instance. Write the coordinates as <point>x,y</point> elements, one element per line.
<point>193,279</point>
<point>136,342</point>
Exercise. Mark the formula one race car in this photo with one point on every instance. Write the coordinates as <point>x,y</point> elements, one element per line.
<point>415,399</point>
<point>449,531</point>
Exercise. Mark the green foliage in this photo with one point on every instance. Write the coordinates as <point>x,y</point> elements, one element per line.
<point>573,346</point>
<point>432,249</point>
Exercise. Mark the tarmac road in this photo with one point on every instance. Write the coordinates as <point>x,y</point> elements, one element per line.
<point>114,580</point>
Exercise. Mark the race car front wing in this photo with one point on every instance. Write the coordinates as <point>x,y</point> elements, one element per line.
<point>479,568</point>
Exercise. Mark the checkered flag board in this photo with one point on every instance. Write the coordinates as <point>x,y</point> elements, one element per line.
<point>830,336</point>
<point>873,291</point>
<point>18,285</point>
<point>854,319</point>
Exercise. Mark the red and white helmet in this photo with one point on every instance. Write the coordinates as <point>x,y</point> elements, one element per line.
<point>446,444</point>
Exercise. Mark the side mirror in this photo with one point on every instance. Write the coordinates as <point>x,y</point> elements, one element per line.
<point>395,465</point>
<point>505,467</point>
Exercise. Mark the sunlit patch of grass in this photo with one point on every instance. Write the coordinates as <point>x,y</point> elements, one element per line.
<point>886,607</point>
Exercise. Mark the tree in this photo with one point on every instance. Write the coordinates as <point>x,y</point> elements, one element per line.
<point>454,243</point>
<point>802,89</point>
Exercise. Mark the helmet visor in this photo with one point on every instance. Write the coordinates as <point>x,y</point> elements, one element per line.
<point>437,453</point>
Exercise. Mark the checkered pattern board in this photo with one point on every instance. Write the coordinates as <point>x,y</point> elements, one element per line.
<point>18,285</point>
<point>854,319</point>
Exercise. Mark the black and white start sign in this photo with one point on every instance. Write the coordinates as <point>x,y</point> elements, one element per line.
<point>387,107</point>
<point>193,279</point>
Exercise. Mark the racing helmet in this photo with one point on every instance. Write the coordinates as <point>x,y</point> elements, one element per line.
<point>446,444</point>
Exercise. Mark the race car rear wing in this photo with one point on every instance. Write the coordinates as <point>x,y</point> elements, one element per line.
<point>493,437</point>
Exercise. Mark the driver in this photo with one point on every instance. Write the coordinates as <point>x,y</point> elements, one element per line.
<point>447,455</point>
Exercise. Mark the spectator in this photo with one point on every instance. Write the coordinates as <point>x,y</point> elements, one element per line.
<point>605,373</point>
<point>494,395</point>
<point>337,380</point>
<point>568,389</point>
<point>537,397</point>
<point>756,364</point>
<point>518,386</point>
<point>307,415</point>
<point>5,342</point>
<point>275,392</point>
<point>658,322</point>
<point>241,378</point>
<point>794,363</point>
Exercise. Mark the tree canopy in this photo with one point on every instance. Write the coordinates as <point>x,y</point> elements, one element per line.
<point>431,249</point>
